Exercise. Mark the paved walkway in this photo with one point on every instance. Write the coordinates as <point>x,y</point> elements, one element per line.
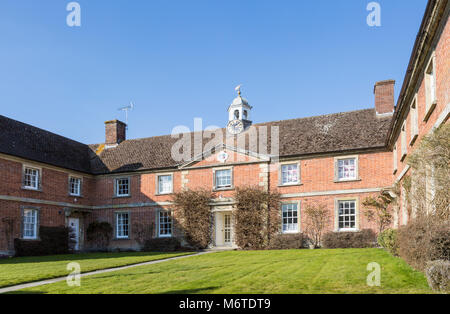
<point>108,270</point>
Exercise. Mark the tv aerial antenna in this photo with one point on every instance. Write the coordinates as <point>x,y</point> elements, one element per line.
<point>127,109</point>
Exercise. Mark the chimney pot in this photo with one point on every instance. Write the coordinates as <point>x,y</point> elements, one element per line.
<point>115,132</point>
<point>384,97</point>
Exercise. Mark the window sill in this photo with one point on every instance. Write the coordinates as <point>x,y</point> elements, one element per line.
<point>164,236</point>
<point>163,194</point>
<point>347,180</point>
<point>223,189</point>
<point>430,111</point>
<point>122,196</point>
<point>348,230</point>
<point>77,196</point>
<point>288,185</point>
<point>30,239</point>
<point>291,232</point>
<point>121,239</point>
<point>31,189</point>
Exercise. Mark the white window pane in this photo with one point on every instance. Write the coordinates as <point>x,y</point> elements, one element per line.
<point>289,174</point>
<point>165,224</point>
<point>289,218</point>
<point>165,184</point>
<point>223,178</point>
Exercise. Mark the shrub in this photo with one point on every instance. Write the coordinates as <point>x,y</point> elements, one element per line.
<point>438,275</point>
<point>362,239</point>
<point>142,231</point>
<point>286,241</point>
<point>53,240</point>
<point>317,219</point>
<point>379,210</point>
<point>99,234</point>
<point>256,217</point>
<point>194,215</point>
<point>162,245</point>
<point>425,239</point>
<point>388,240</point>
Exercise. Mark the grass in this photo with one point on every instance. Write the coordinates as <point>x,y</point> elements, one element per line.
<point>20,270</point>
<point>258,272</point>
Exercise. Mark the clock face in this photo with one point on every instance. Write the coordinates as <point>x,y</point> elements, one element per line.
<point>235,127</point>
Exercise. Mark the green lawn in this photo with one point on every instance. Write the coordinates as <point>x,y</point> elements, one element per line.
<point>296,271</point>
<point>15,271</point>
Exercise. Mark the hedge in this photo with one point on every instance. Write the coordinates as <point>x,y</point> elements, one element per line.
<point>162,245</point>
<point>53,240</point>
<point>341,240</point>
<point>286,242</point>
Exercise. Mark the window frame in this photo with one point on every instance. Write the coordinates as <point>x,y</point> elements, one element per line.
<point>36,214</point>
<point>337,215</point>
<point>170,214</point>
<point>336,169</point>
<point>414,116</point>
<point>395,156</point>
<point>298,212</point>
<point>117,229</point>
<point>117,188</point>
<point>404,144</point>
<point>280,173</point>
<point>158,190</point>
<point>430,91</point>
<point>225,187</point>
<point>38,179</point>
<point>79,186</point>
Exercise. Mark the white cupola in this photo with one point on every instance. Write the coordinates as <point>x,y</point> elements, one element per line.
<point>240,109</point>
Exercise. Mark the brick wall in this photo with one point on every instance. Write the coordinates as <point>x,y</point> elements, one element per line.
<point>441,50</point>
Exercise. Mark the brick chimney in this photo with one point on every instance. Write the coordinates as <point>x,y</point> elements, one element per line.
<point>384,97</point>
<point>115,132</point>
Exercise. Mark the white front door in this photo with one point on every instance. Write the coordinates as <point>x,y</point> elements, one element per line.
<point>74,225</point>
<point>227,228</point>
<point>223,229</point>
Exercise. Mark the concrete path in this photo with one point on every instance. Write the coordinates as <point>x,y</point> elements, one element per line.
<point>108,270</point>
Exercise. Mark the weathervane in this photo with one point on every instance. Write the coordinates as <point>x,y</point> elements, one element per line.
<point>126,109</point>
<point>238,89</point>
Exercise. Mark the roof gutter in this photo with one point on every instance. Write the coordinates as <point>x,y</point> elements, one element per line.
<point>422,44</point>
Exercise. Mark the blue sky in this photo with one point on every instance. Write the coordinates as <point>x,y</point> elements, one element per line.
<point>178,59</point>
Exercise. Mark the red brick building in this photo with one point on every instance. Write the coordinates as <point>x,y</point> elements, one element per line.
<point>336,160</point>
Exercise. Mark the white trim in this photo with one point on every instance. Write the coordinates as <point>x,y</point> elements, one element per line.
<point>170,214</point>
<point>220,188</point>
<point>402,174</point>
<point>80,185</point>
<point>117,224</point>
<point>442,117</point>
<point>298,204</point>
<point>221,147</point>
<point>280,173</point>
<point>336,170</point>
<point>167,174</point>
<point>116,186</point>
<point>35,227</point>
<point>38,179</point>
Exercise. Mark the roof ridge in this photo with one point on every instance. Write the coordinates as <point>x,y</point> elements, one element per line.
<point>256,124</point>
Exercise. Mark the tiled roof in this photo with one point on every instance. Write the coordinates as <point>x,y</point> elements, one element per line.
<point>350,131</point>
<point>26,141</point>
